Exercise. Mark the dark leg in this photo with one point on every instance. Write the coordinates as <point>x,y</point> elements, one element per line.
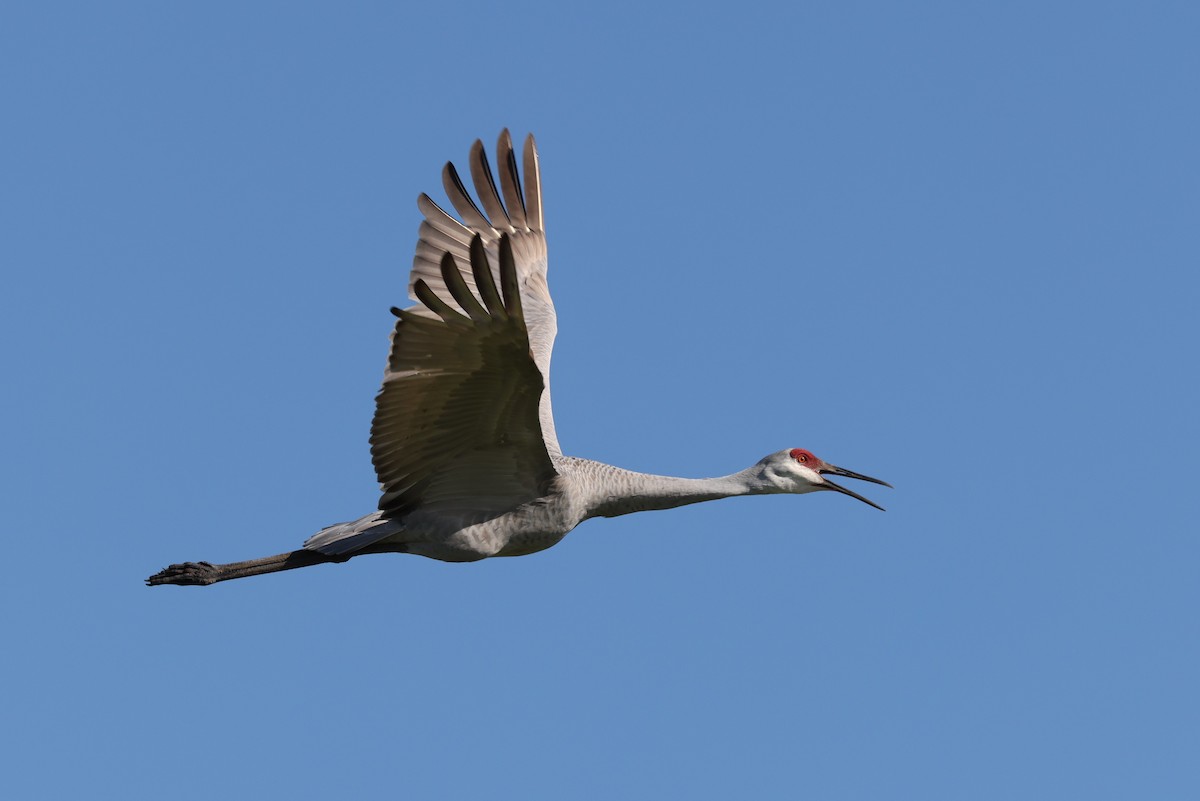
<point>203,573</point>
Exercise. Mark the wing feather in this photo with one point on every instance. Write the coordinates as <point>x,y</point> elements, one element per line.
<point>503,208</point>
<point>456,424</point>
<point>510,180</point>
<point>533,187</point>
<point>485,185</point>
<point>460,198</point>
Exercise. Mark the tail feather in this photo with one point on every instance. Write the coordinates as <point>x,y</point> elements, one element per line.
<point>345,538</point>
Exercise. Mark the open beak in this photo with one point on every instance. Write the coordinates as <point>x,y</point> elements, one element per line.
<point>830,470</point>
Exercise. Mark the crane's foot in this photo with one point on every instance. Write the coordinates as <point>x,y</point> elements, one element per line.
<point>186,573</point>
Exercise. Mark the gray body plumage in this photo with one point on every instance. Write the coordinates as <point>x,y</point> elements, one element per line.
<point>582,489</point>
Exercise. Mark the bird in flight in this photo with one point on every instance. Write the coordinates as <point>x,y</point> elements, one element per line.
<point>463,438</point>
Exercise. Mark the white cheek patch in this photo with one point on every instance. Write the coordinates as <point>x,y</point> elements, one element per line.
<point>810,475</point>
<point>793,477</point>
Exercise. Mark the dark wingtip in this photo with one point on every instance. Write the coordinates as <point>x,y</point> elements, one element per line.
<point>395,310</point>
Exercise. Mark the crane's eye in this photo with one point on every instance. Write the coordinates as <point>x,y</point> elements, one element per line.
<point>801,456</point>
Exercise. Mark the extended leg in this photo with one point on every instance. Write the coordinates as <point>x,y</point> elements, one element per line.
<point>204,573</point>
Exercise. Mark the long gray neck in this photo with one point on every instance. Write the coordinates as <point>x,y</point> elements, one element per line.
<point>624,491</point>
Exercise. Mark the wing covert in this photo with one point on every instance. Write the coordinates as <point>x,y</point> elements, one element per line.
<point>508,208</point>
<point>456,425</point>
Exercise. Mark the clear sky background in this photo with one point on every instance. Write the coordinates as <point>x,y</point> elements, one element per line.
<point>953,245</point>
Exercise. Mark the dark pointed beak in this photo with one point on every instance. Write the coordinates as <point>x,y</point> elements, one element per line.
<point>830,470</point>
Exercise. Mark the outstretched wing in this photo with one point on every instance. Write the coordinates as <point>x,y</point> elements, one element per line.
<point>506,210</point>
<point>456,426</point>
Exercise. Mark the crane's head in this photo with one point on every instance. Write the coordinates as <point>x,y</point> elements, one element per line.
<point>798,470</point>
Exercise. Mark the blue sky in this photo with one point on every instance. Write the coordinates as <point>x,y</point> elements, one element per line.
<point>952,245</point>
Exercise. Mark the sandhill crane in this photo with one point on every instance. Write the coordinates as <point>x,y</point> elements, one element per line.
<point>463,438</point>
